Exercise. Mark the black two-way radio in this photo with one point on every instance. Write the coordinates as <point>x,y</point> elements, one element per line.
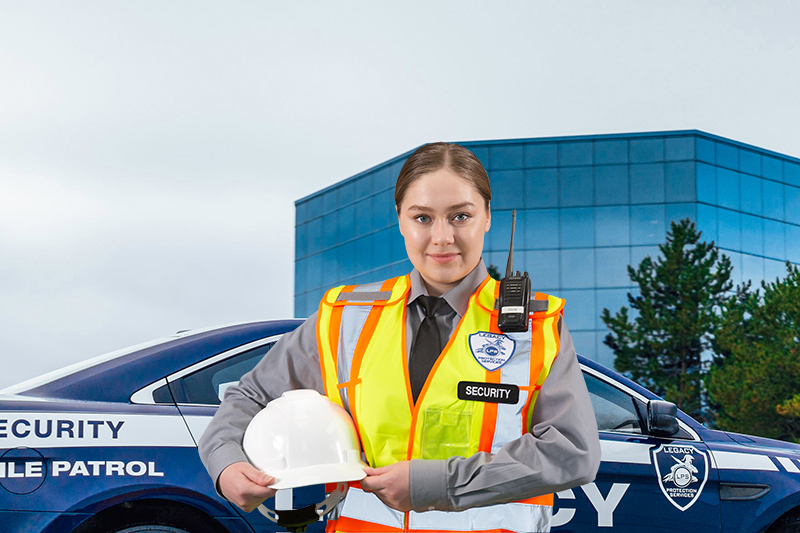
<point>515,293</point>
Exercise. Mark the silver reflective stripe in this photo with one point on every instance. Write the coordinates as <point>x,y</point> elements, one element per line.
<point>365,506</point>
<point>517,371</point>
<point>517,517</point>
<point>363,296</point>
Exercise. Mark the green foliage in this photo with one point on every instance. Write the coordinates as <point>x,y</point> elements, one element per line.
<point>680,294</point>
<point>755,378</point>
<point>493,272</point>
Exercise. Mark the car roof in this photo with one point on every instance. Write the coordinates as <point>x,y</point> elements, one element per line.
<point>114,377</point>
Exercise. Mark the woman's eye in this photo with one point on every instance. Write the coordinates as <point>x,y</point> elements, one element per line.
<point>422,218</point>
<point>461,217</point>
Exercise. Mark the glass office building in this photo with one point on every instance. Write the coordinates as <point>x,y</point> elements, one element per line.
<point>587,207</point>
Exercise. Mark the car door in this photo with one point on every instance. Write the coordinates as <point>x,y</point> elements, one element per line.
<point>645,482</point>
<point>198,391</point>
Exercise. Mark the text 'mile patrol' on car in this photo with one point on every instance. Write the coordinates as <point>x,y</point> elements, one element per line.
<point>111,445</point>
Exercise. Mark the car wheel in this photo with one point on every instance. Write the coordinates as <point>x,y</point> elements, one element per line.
<point>151,529</point>
<point>787,524</point>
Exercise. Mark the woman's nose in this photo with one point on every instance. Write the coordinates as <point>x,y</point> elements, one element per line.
<point>442,233</point>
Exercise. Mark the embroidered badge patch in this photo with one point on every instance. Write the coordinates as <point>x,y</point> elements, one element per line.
<point>491,350</point>
<point>682,472</point>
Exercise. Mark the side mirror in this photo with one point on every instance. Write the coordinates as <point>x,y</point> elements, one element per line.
<point>662,418</point>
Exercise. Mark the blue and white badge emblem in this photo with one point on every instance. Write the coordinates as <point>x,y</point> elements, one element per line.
<point>491,350</point>
<point>682,472</point>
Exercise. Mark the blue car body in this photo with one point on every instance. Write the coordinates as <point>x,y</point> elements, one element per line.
<point>112,444</point>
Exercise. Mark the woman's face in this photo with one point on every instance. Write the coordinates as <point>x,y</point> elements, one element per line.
<point>443,220</point>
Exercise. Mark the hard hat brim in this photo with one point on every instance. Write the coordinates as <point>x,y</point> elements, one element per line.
<point>318,474</point>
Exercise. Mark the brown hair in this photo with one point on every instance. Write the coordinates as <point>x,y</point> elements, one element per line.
<point>436,156</point>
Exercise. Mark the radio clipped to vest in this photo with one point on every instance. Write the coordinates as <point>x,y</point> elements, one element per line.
<point>515,293</point>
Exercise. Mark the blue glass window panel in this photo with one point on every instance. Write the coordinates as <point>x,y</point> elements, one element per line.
<point>576,186</point>
<point>647,150</point>
<point>314,235</point>
<point>750,162</point>
<point>736,263</point>
<point>603,354</point>
<point>678,148</point>
<point>577,268</point>
<point>300,305</point>
<point>729,227</point>
<point>330,200</point>
<point>499,235</point>
<point>363,187</point>
<point>677,212</point>
<point>346,260</point>
<point>611,267</point>
<point>579,311</point>
<point>577,227</point>
<point>543,266</point>
<point>314,208</point>
<point>610,152</point>
<point>397,250</point>
<point>752,234</point>
<point>772,168</point>
<point>506,156</point>
<point>347,192</point>
<point>363,258</point>
<point>541,187</point>
<point>330,233</point>
<point>499,259</point>
<point>647,224</point>
<point>300,212</point>
<point>507,187</point>
<point>774,270</point>
<point>572,154</point>
<point>611,185</point>
<point>613,300</point>
<point>638,253</point>
<point>383,179</point>
<point>680,182</point>
<point>774,239</point>
<point>330,274</point>
<point>314,272</point>
<point>481,152</point>
<point>792,197</point>
<point>706,183</point>
<point>541,229</point>
<point>384,213</point>
<point>381,244</point>
<point>750,194</point>
<point>753,269</point>
<point>301,269</point>
<point>728,188</point>
<point>541,155</point>
<point>727,156</point>
<point>301,241</point>
<point>707,222</point>
<point>792,243</point>
<point>347,222</point>
<point>647,183</point>
<point>363,215</point>
<point>612,226</point>
<point>791,173</point>
<point>705,150</point>
<point>773,199</point>
<point>583,340</point>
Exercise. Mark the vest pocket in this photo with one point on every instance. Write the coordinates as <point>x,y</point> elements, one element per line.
<point>445,433</point>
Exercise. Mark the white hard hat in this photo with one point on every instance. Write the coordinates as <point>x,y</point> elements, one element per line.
<point>302,439</point>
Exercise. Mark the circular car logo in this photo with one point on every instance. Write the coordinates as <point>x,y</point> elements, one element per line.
<point>491,350</point>
<point>23,470</point>
<point>682,477</point>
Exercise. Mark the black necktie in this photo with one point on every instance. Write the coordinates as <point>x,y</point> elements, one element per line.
<point>427,344</point>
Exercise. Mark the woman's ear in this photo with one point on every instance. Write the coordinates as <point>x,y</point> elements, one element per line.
<point>488,217</point>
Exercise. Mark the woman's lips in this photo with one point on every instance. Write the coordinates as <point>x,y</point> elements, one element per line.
<point>442,258</point>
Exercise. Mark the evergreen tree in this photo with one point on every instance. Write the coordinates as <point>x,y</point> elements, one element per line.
<point>494,273</point>
<point>755,379</point>
<point>676,315</point>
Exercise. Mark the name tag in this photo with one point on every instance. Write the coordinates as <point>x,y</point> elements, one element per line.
<point>488,392</point>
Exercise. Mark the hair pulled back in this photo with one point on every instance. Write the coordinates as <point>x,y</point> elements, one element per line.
<point>436,156</point>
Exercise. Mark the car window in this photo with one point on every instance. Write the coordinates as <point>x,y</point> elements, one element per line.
<point>207,386</point>
<point>614,410</point>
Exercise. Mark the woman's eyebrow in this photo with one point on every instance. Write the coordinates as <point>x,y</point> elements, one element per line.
<point>451,208</point>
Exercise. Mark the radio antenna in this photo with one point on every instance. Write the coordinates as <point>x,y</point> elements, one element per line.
<point>510,264</point>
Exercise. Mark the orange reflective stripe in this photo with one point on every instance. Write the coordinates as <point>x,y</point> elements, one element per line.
<point>544,499</point>
<point>537,362</point>
<point>347,524</point>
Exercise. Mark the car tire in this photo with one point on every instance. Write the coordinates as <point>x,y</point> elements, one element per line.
<point>155,528</point>
<point>787,524</point>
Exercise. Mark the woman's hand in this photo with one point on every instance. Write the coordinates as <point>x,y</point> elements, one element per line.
<point>245,486</point>
<point>391,484</point>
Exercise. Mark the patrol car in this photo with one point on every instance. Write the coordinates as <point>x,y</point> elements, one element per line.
<point>111,445</point>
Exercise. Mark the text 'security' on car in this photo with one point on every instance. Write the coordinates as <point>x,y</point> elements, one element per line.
<point>111,445</point>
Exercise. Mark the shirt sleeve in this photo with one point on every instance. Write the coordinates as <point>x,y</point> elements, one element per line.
<point>561,451</point>
<point>293,363</point>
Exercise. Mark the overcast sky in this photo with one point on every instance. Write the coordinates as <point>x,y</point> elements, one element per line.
<point>151,151</point>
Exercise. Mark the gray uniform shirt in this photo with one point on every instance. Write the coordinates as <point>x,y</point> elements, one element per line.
<point>562,450</point>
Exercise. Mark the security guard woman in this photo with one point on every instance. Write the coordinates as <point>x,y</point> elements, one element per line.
<point>465,429</point>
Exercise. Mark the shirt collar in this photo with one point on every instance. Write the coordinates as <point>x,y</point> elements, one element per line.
<point>457,297</point>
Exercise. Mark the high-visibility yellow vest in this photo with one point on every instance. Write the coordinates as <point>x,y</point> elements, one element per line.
<point>466,405</point>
